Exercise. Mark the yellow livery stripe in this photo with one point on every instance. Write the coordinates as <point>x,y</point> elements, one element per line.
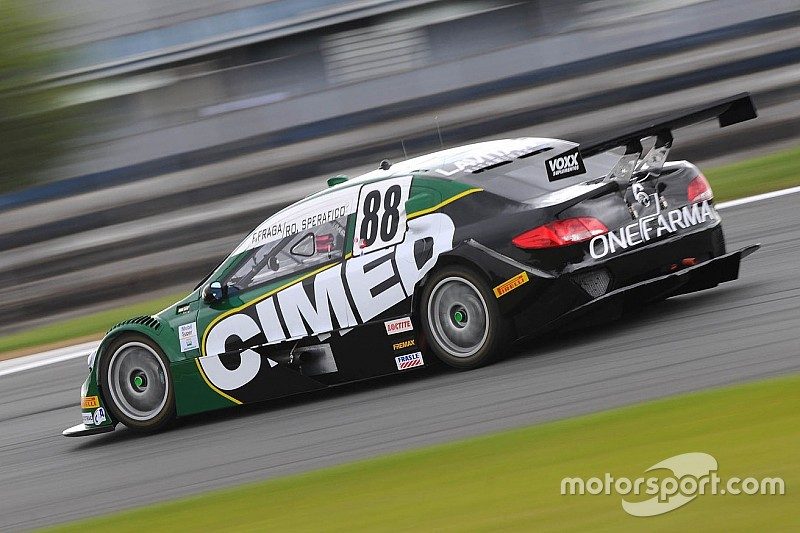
<point>200,369</point>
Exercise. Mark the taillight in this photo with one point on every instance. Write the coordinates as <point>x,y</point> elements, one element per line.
<point>560,233</point>
<point>699,190</point>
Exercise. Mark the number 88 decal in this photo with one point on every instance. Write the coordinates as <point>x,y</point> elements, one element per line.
<point>381,219</point>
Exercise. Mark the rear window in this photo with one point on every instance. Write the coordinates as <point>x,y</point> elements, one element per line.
<point>524,179</point>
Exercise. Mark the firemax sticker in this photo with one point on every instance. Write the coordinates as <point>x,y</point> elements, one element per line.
<point>510,285</point>
<point>402,345</point>
<point>404,362</point>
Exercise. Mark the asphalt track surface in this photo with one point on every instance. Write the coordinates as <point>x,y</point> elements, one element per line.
<point>740,331</point>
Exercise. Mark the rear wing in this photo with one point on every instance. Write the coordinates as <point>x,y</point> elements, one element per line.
<point>728,111</point>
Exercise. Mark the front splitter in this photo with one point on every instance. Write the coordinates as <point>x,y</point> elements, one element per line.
<point>81,430</point>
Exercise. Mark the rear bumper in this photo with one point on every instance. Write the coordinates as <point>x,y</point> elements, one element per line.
<point>691,279</point>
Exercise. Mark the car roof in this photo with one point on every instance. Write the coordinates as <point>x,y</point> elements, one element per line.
<point>463,163</point>
<point>467,159</point>
<point>459,161</point>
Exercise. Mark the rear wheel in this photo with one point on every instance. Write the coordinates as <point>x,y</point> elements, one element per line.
<point>461,319</point>
<point>135,377</point>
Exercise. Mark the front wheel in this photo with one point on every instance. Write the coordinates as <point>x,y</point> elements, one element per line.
<point>135,378</point>
<point>461,319</point>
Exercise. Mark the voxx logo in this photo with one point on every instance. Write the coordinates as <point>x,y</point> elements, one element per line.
<point>565,165</point>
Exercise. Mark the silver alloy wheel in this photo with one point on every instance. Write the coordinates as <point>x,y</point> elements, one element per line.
<point>138,381</point>
<point>458,316</point>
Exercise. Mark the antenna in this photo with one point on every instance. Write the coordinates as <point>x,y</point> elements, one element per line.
<point>439,130</point>
<point>403,144</point>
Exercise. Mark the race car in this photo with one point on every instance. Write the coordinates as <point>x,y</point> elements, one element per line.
<point>448,257</point>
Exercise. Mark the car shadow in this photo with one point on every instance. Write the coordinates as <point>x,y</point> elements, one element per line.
<point>566,337</point>
<point>123,434</point>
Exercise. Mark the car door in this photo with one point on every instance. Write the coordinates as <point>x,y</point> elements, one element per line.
<point>284,285</point>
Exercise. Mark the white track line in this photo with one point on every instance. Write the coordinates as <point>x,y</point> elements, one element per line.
<point>30,362</point>
<point>758,198</point>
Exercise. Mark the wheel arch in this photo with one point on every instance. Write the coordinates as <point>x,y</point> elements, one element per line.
<point>452,258</point>
<point>135,331</point>
<point>135,326</point>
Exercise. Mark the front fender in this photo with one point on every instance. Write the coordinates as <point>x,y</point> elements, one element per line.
<point>94,412</point>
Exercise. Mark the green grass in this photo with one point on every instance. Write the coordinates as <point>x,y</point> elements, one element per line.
<point>755,176</point>
<point>511,480</point>
<point>92,324</point>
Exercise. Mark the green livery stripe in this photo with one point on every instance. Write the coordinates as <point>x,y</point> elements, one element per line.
<point>442,204</point>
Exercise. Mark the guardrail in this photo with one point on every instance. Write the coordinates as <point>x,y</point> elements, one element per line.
<point>430,103</point>
<point>215,33</point>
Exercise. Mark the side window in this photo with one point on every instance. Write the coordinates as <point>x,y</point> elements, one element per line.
<point>301,251</point>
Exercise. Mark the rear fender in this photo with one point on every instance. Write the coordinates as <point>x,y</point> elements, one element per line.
<point>513,283</point>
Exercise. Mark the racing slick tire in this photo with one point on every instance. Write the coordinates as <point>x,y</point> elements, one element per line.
<point>135,378</point>
<point>461,319</point>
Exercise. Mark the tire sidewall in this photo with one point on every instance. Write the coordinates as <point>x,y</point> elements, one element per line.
<point>498,331</point>
<point>167,412</point>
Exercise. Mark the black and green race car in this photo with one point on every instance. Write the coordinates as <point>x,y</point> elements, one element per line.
<point>451,256</point>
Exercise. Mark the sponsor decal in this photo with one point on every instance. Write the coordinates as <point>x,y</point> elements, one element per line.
<point>510,285</point>
<point>302,217</point>
<point>673,483</point>
<point>88,419</point>
<point>183,309</point>
<point>404,362</point>
<point>381,219</point>
<point>90,402</point>
<point>398,326</point>
<point>99,416</point>
<point>337,297</point>
<point>291,227</point>
<point>480,160</point>
<point>650,227</point>
<point>402,345</point>
<point>565,165</point>
<point>187,335</point>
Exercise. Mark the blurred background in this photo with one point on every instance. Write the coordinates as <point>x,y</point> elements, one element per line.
<point>140,140</point>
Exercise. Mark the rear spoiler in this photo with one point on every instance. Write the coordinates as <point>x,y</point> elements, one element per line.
<point>728,111</point>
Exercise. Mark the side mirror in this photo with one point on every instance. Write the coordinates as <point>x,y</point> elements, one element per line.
<point>214,292</point>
